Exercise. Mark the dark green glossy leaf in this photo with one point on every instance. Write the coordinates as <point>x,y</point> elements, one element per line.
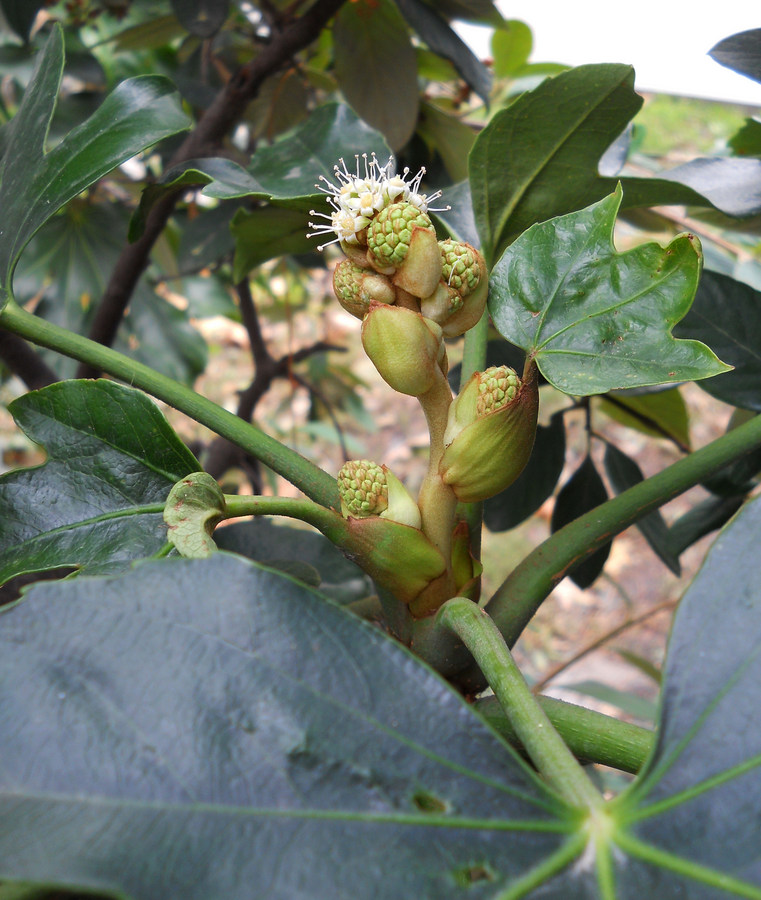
<point>535,483</point>
<point>265,233</point>
<point>435,31</point>
<point>731,185</point>
<point>483,11</point>
<point>277,545</point>
<point>727,313</point>
<point>290,167</point>
<point>660,413</point>
<point>20,15</point>
<point>740,52</point>
<point>68,264</point>
<point>287,171</point>
<point>593,318</point>
<point>694,811</point>
<point>624,473</point>
<point>202,18</point>
<point>539,157</point>
<point>450,137</point>
<point>376,67</point>
<point>511,47</point>
<point>221,716</point>
<point>583,491</point>
<point>206,296</point>
<point>206,238</point>
<point>35,184</point>
<point>459,220</point>
<point>702,519</point>
<point>96,503</point>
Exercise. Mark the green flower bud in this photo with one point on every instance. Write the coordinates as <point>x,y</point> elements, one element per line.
<point>401,242</point>
<point>406,348</point>
<point>362,488</point>
<point>367,489</point>
<point>390,233</point>
<point>356,288</point>
<point>461,266</point>
<point>490,433</point>
<point>459,299</point>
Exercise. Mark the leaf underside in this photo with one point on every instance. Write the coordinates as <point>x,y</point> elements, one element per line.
<point>177,729</point>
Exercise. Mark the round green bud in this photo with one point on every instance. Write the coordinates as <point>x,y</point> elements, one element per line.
<point>461,266</point>
<point>356,287</point>
<point>389,235</point>
<point>497,386</point>
<point>363,489</point>
<point>406,349</point>
<point>490,433</point>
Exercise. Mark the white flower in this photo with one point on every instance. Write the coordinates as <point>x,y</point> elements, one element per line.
<point>356,198</point>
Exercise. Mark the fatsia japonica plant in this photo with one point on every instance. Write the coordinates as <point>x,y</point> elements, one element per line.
<point>198,709</point>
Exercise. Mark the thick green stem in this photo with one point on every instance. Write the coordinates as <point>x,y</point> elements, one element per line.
<point>474,350</point>
<point>474,360</point>
<point>516,601</point>
<point>437,500</point>
<point>237,505</point>
<point>591,736</point>
<point>543,744</point>
<point>313,481</point>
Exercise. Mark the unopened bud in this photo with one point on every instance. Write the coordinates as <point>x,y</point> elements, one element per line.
<point>459,299</point>
<point>367,489</point>
<point>490,433</point>
<point>356,288</point>
<point>401,242</point>
<point>406,348</point>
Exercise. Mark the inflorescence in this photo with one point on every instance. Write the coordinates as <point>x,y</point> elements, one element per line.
<point>358,197</point>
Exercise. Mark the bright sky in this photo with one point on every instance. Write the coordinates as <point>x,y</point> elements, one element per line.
<point>667,42</point>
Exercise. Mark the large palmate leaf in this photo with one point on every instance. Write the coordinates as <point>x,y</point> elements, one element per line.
<point>67,265</point>
<point>286,172</point>
<point>595,319</point>
<point>270,744</point>
<point>376,67</point>
<point>36,184</point>
<point>727,314</point>
<point>211,729</point>
<point>97,503</point>
<point>690,825</point>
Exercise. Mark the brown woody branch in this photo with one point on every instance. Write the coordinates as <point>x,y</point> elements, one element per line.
<point>211,129</point>
<point>223,455</point>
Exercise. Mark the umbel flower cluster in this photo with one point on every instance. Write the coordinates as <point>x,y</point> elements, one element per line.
<point>412,291</point>
<point>393,256</point>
